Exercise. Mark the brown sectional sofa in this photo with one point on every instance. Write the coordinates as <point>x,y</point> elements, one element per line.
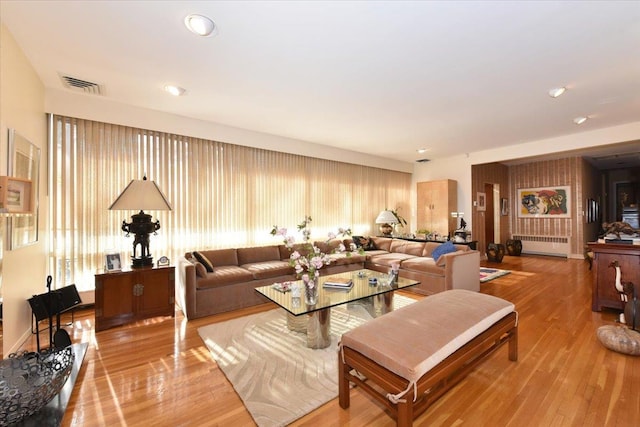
<point>237,272</point>
<point>455,270</point>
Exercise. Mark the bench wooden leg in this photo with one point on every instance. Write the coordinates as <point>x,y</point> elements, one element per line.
<point>405,411</point>
<point>343,383</point>
<point>513,344</point>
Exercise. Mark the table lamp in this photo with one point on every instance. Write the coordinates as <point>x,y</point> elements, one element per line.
<point>386,218</point>
<point>141,195</point>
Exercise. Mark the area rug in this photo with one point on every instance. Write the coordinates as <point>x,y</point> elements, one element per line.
<point>277,377</point>
<point>487,274</point>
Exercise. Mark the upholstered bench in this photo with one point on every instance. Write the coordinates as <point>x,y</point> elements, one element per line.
<point>415,354</point>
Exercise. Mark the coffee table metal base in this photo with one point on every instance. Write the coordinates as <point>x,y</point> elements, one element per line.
<point>377,305</point>
<point>317,326</point>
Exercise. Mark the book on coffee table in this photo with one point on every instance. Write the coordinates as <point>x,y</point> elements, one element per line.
<point>338,283</point>
<point>282,287</point>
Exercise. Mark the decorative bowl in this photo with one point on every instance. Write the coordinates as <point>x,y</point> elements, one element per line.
<point>29,380</point>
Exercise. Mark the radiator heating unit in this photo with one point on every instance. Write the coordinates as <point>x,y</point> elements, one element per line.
<point>544,245</point>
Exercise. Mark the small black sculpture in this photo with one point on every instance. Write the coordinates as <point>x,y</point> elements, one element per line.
<point>617,228</point>
<point>463,224</point>
<point>141,226</point>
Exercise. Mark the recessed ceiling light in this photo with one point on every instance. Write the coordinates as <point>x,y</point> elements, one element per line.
<point>580,120</point>
<point>174,90</point>
<point>422,150</point>
<point>200,25</point>
<point>557,91</point>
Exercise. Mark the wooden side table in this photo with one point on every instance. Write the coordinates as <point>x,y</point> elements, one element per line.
<point>604,293</point>
<point>128,296</point>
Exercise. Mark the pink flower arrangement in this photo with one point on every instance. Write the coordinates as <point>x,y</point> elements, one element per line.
<point>310,258</point>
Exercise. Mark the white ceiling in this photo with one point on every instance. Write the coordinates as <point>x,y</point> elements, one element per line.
<point>381,77</point>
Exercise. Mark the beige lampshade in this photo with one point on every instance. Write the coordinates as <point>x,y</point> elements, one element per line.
<point>386,217</point>
<point>141,194</point>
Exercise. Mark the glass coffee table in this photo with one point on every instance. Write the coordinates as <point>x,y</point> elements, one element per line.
<point>315,320</point>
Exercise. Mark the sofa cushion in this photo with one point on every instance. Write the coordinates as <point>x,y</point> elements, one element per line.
<point>269,269</point>
<point>383,243</point>
<point>225,275</point>
<point>330,246</point>
<point>343,258</point>
<point>422,265</point>
<point>444,248</point>
<point>202,259</point>
<point>407,247</point>
<point>366,243</point>
<point>301,248</point>
<point>221,256</point>
<point>388,259</point>
<point>370,255</point>
<point>258,254</point>
<point>201,270</point>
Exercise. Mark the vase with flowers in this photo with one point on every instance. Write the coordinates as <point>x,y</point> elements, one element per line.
<point>307,259</point>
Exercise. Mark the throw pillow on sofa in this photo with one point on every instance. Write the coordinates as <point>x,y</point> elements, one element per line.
<point>201,270</point>
<point>364,242</point>
<point>204,261</point>
<point>444,248</point>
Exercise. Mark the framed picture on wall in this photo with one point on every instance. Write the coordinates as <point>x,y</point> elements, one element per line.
<point>23,163</point>
<point>544,202</point>
<point>481,201</point>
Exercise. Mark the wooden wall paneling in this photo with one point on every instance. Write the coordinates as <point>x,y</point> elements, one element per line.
<point>491,173</point>
<point>567,171</point>
<point>592,188</point>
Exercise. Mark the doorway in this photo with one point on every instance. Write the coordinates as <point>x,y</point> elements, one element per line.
<point>492,214</point>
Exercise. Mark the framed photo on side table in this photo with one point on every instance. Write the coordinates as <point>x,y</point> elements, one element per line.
<point>112,262</point>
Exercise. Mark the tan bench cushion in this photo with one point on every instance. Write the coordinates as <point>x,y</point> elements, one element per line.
<point>412,340</point>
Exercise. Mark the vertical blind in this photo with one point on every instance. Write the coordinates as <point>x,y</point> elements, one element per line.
<point>222,195</point>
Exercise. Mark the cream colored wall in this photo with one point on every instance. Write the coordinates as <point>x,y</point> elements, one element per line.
<point>459,167</point>
<point>21,108</point>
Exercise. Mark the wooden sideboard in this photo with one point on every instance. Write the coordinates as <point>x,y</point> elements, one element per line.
<point>604,290</point>
<point>127,296</point>
<point>473,244</point>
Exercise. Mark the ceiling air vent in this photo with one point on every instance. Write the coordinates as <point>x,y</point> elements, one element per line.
<point>422,160</point>
<point>85,86</point>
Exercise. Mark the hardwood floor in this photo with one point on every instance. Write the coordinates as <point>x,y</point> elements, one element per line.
<point>158,372</point>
